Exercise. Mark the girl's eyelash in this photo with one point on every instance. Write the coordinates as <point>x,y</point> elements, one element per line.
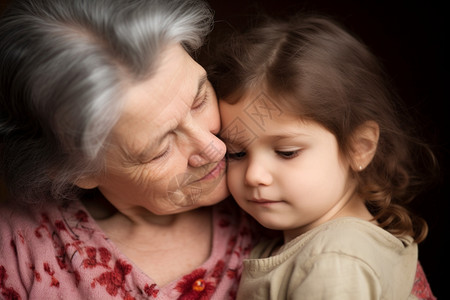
<point>288,154</point>
<point>284,154</point>
<point>235,155</point>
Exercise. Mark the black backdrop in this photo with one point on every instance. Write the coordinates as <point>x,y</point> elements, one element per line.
<point>410,38</point>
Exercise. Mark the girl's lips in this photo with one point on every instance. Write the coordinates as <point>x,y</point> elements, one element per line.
<point>264,201</point>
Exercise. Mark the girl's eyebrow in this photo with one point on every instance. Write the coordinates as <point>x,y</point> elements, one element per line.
<point>272,137</point>
<point>287,135</point>
<point>242,142</point>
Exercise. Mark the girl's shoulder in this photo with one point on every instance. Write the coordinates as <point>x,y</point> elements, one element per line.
<point>360,241</point>
<point>354,230</point>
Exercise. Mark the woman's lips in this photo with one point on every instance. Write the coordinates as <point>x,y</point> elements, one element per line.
<point>185,189</point>
<point>216,171</point>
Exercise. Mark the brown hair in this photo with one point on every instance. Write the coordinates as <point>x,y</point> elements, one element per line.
<point>315,68</point>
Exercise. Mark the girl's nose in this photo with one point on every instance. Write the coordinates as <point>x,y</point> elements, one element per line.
<point>257,173</point>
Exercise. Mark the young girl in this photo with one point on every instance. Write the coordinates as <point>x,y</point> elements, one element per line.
<point>316,149</point>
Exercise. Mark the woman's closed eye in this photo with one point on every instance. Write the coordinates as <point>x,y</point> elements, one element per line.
<point>199,104</point>
<point>163,151</point>
<point>202,99</point>
<point>162,154</point>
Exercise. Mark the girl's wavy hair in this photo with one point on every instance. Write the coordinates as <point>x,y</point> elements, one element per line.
<point>63,67</point>
<point>314,67</point>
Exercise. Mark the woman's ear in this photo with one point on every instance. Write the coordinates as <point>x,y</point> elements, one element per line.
<point>87,182</point>
<point>365,141</point>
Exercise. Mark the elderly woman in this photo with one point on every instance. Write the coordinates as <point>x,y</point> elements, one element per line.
<point>109,151</point>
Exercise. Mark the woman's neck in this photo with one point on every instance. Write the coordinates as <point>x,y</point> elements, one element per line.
<point>164,247</point>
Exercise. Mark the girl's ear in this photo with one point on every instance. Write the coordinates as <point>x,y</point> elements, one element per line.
<point>87,182</point>
<point>365,141</point>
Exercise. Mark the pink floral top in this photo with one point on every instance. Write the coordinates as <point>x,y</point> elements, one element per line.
<point>60,253</point>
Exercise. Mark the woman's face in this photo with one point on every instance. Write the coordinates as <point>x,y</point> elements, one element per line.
<point>164,156</point>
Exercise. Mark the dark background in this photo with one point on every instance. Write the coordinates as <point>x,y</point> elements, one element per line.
<point>410,39</point>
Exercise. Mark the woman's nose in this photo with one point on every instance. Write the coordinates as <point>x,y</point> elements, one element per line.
<point>208,148</point>
<point>257,173</point>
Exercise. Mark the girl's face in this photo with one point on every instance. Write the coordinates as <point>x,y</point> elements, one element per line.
<point>286,173</point>
<point>164,157</point>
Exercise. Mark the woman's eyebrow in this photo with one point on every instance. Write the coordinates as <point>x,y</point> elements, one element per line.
<point>201,83</point>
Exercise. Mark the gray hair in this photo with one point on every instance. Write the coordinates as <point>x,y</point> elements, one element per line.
<point>63,64</point>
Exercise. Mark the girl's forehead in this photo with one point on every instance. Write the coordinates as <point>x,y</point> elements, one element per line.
<point>260,108</point>
<point>258,115</point>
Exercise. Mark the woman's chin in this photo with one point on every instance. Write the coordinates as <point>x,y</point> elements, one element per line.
<point>216,194</point>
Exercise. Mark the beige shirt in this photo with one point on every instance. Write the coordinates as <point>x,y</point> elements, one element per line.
<point>346,258</point>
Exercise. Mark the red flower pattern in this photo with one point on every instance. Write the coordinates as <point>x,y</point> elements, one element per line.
<point>60,225</point>
<point>114,281</point>
<point>68,231</point>
<point>51,272</point>
<point>421,288</point>
<point>37,275</point>
<point>187,286</point>
<point>232,273</point>
<point>8,293</point>
<point>218,269</point>
<point>151,290</point>
<point>91,261</point>
<point>81,216</point>
<point>37,232</point>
